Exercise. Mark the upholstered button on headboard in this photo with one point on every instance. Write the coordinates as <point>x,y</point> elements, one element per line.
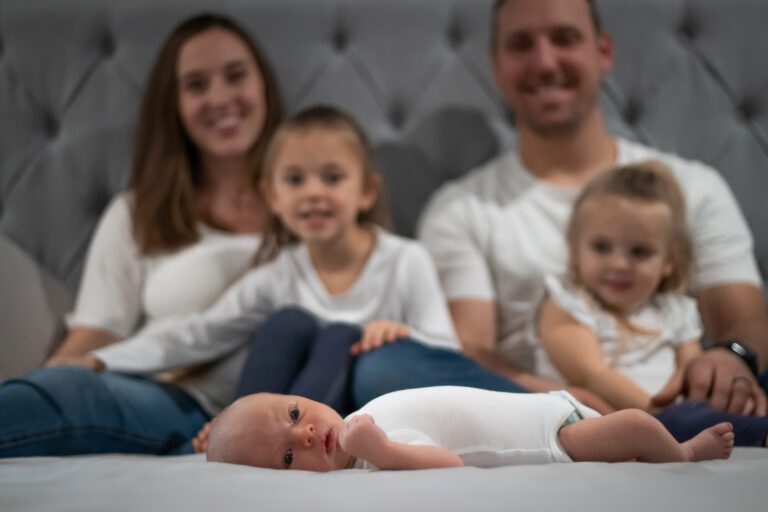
<point>690,77</point>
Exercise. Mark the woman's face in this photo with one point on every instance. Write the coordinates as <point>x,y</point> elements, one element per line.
<point>221,95</point>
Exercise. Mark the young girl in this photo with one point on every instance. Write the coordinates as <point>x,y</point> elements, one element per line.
<point>322,256</point>
<point>619,323</point>
<point>446,426</point>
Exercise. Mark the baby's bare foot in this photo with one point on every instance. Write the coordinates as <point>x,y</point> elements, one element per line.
<point>713,443</point>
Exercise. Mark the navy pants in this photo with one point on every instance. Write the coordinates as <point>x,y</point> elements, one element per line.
<point>292,354</point>
<point>688,418</point>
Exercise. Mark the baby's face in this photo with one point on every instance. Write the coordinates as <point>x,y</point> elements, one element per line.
<point>296,433</point>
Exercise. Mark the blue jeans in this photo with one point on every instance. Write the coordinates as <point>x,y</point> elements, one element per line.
<point>292,354</point>
<point>409,364</point>
<point>69,410</point>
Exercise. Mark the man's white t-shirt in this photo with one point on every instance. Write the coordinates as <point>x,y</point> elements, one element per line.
<point>497,231</point>
<point>398,283</point>
<point>484,428</point>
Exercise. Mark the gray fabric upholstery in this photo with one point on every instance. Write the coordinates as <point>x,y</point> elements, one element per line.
<point>690,78</point>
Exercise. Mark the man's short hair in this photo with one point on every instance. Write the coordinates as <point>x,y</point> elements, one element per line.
<point>594,14</point>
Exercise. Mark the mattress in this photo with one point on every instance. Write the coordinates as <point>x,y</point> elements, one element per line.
<point>189,484</point>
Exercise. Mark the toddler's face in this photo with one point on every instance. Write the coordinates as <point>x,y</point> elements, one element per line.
<point>296,433</point>
<point>622,250</point>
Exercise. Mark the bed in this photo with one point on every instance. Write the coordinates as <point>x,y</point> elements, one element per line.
<point>690,78</point>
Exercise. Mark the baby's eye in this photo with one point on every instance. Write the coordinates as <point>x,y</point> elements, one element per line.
<point>294,413</point>
<point>288,458</point>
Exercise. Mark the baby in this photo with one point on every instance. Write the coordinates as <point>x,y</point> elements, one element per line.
<point>446,426</point>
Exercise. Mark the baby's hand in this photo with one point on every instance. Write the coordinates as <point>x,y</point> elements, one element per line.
<point>361,437</point>
<point>200,442</point>
<point>377,333</point>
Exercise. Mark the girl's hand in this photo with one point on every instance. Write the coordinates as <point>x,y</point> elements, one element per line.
<point>378,333</point>
<point>362,438</point>
<point>85,361</point>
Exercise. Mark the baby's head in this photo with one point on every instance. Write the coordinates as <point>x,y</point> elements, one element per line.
<point>628,236</point>
<point>279,432</point>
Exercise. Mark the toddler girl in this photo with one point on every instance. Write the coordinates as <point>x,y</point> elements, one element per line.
<point>324,259</point>
<point>619,324</point>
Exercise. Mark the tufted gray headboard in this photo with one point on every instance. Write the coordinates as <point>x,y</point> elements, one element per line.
<point>690,78</point>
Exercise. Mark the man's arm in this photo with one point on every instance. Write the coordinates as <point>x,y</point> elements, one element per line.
<point>729,311</point>
<point>736,311</point>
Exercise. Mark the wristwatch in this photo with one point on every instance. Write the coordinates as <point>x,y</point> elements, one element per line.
<point>746,355</point>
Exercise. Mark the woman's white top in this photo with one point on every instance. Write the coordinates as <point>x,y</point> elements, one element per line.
<point>127,293</point>
<point>669,319</point>
<point>398,283</point>
<point>485,428</point>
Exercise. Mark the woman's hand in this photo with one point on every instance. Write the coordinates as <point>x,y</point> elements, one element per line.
<point>378,333</point>
<point>84,361</point>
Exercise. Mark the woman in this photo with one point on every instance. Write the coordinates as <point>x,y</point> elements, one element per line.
<point>186,229</point>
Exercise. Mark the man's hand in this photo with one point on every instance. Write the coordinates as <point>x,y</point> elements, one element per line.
<point>85,361</point>
<point>378,333</point>
<point>362,438</point>
<point>720,378</point>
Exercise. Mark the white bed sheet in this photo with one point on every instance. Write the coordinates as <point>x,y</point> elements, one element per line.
<point>189,484</point>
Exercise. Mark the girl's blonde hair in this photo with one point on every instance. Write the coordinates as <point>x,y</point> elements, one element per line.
<point>650,182</point>
<point>275,235</point>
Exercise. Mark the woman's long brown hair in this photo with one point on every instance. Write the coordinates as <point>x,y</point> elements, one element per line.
<point>166,172</point>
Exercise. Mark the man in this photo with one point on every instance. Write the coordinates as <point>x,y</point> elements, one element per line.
<point>498,230</point>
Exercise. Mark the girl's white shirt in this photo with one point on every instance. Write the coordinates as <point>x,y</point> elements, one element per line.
<point>647,359</point>
<point>398,283</point>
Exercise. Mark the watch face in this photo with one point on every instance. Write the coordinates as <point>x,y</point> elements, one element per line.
<point>749,357</point>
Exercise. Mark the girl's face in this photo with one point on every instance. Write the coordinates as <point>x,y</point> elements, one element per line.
<point>622,250</point>
<point>221,95</point>
<point>317,185</point>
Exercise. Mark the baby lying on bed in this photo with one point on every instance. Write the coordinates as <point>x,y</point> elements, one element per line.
<point>446,427</point>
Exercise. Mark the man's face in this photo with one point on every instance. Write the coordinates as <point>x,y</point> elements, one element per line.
<point>548,62</point>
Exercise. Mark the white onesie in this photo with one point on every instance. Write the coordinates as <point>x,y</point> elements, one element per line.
<point>485,428</point>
